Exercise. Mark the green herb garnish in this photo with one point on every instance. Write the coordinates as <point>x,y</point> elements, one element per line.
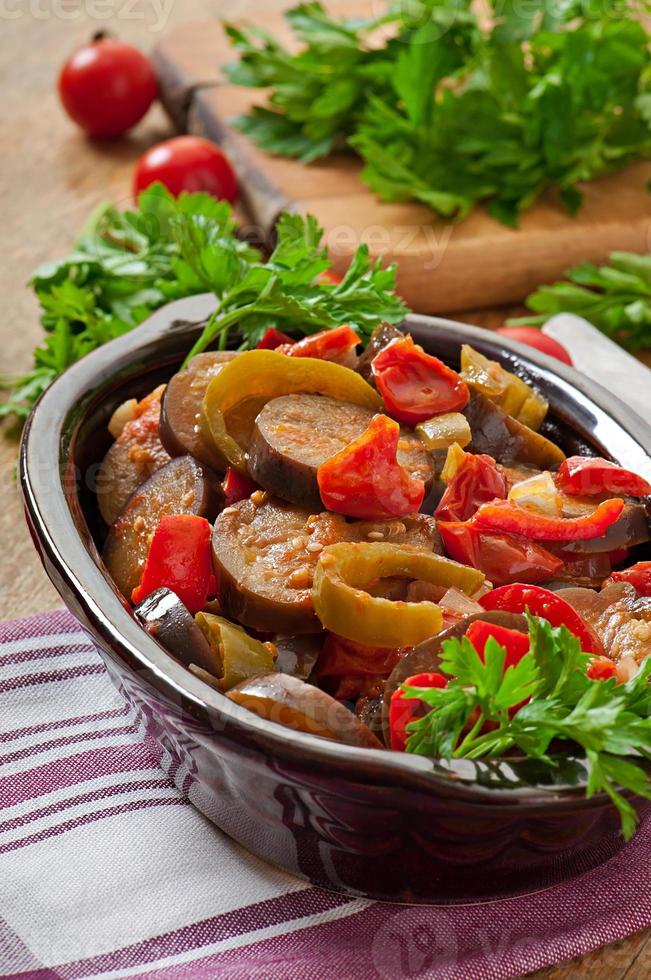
<point>450,112</point>
<point>615,298</point>
<point>609,722</point>
<point>128,264</point>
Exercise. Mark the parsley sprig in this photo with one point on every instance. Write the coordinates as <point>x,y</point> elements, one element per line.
<point>615,297</point>
<point>128,264</point>
<point>450,112</point>
<point>545,698</point>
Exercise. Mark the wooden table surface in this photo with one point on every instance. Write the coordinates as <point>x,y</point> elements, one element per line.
<point>50,179</point>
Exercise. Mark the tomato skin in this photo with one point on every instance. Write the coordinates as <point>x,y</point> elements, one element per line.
<point>601,669</point>
<point>518,598</point>
<point>365,479</point>
<point>106,87</point>
<point>329,278</point>
<point>416,386</point>
<point>535,338</point>
<point>639,576</point>
<point>478,481</point>
<point>404,710</point>
<point>327,345</point>
<point>586,476</point>
<point>272,339</point>
<point>187,163</point>
<point>502,557</point>
<point>516,644</point>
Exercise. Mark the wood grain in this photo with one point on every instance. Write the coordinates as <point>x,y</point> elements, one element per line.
<point>442,265</point>
<point>51,177</point>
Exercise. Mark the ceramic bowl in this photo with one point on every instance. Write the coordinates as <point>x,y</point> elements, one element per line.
<point>377,824</point>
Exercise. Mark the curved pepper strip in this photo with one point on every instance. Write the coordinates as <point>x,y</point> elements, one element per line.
<point>584,476</point>
<point>236,395</point>
<point>519,598</point>
<point>365,479</point>
<point>342,605</point>
<point>416,386</point>
<point>503,516</point>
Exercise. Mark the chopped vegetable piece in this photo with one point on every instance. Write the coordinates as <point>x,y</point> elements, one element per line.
<point>515,644</point>
<point>343,606</point>
<point>639,576</point>
<point>328,345</point>
<point>444,431</point>
<point>343,661</point>
<point>519,598</point>
<point>237,487</point>
<point>583,476</point>
<point>402,710</point>
<point>272,339</point>
<point>507,517</point>
<point>601,669</point>
<point>366,480</point>
<point>237,394</point>
<point>538,493</point>
<point>238,656</point>
<point>511,393</point>
<point>502,557</point>
<point>476,481</point>
<point>416,386</point>
<point>500,435</point>
<point>180,559</point>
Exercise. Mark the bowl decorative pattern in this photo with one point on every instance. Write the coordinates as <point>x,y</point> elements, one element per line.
<point>370,823</point>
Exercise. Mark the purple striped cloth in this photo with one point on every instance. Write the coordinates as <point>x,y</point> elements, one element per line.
<point>107,871</point>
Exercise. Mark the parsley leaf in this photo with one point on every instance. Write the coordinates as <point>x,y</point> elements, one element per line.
<point>546,698</point>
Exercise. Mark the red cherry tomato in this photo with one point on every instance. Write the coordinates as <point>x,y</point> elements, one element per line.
<point>187,163</point>
<point>533,337</point>
<point>416,386</point>
<point>106,87</point>
<point>477,481</point>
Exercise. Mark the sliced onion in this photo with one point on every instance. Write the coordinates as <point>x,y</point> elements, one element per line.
<point>456,603</point>
<point>538,493</point>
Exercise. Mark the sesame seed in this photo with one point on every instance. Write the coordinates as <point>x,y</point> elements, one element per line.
<point>375,536</point>
<point>314,547</point>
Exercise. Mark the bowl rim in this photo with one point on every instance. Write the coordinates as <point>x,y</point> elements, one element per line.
<point>48,482</point>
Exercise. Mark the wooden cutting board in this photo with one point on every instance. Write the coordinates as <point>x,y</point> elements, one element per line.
<point>443,266</point>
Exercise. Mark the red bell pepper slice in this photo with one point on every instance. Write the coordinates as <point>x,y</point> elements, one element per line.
<point>583,476</point>
<point>414,385</point>
<point>516,644</point>
<point>519,598</point>
<point>404,710</point>
<point>501,557</point>
<point>328,345</point>
<point>503,516</point>
<point>366,480</point>
<point>601,669</point>
<point>639,576</point>
<point>237,487</point>
<point>477,481</point>
<point>180,559</point>
<point>272,339</point>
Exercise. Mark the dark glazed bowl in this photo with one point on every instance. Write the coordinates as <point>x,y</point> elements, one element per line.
<point>372,823</point>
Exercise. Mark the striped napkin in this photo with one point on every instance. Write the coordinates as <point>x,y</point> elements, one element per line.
<point>107,871</point>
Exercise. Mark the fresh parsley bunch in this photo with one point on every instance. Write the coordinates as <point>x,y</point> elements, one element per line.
<point>451,112</point>
<point>615,297</point>
<point>545,698</point>
<point>128,264</point>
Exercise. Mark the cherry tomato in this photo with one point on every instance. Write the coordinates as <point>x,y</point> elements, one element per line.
<point>477,481</point>
<point>586,476</point>
<point>533,337</point>
<point>639,576</point>
<point>106,87</point>
<point>601,669</point>
<point>187,163</point>
<point>416,386</point>
<point>518,598</point>
<point>501,557</point>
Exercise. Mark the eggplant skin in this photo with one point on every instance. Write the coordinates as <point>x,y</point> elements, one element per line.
<point>426,657</point>
<point>380,338</point>
<point>180,429</point>
<point>168,620</point>
<point>631,529</point>
<point>183,486</point>
<point>507,440</point>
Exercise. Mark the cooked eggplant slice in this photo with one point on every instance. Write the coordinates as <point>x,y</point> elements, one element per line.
<point>297,655</point>
<point>507,440</point>
<point>135,455</point>
<point>291,702</point>
<point>380,337</point>
<point>183,486</point>
<point>295,434</point>
<point>166,618</point>
<point>425,658</point>
<point>180,421</point>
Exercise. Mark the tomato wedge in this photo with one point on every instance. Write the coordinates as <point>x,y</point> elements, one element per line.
<point>583,476</point>
<point>501,557</point>
<point>519,598</point>
<point>366,480</point>
<point>414,385</point>
<point>272,339</point>
<point>477,481</point>
<point>639,576</point>
<point>404,710</point>
<point>601,669</point>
